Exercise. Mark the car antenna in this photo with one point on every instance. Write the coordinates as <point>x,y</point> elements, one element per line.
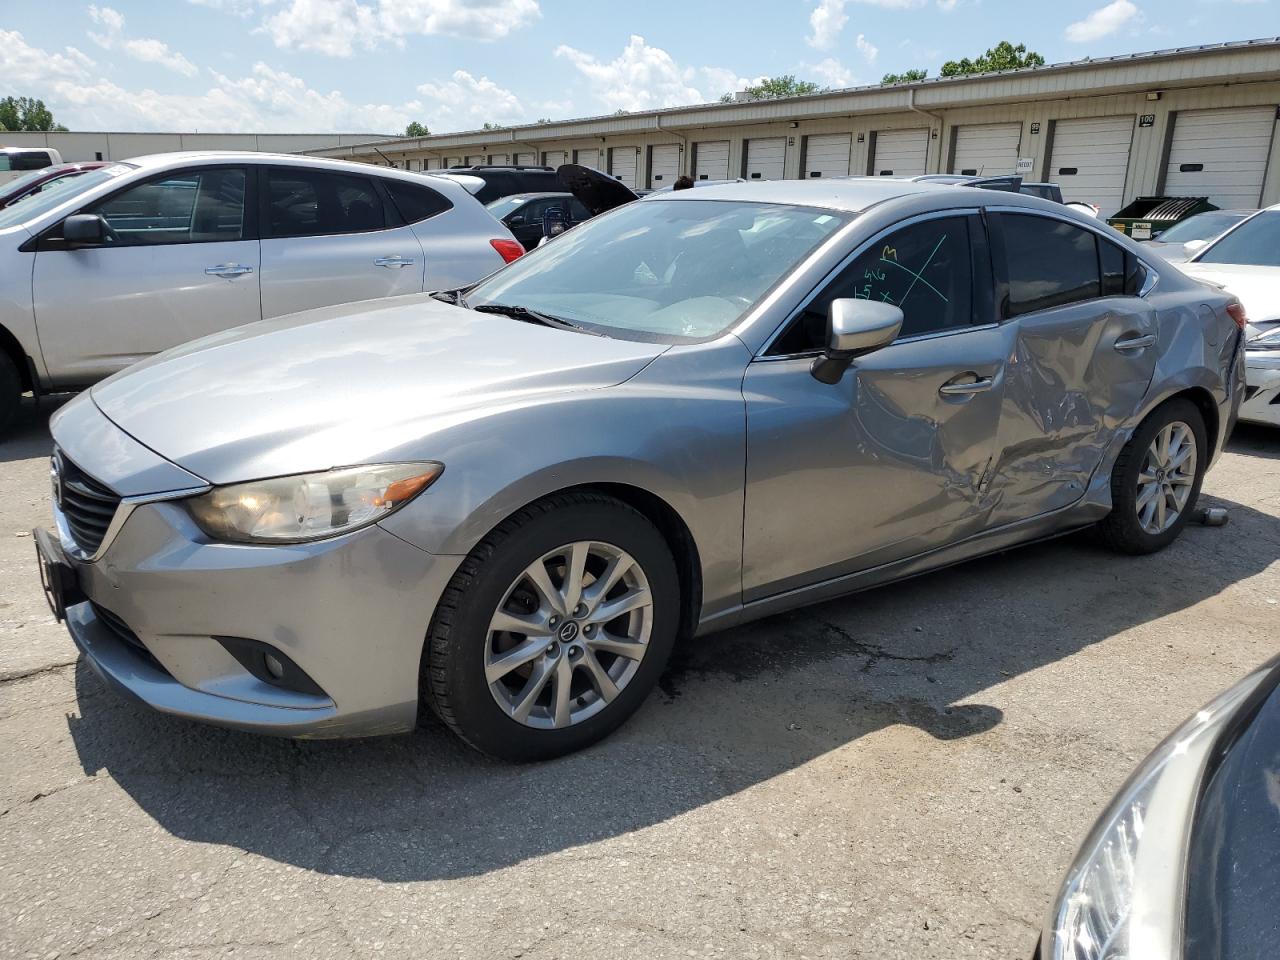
<point>390,162</point>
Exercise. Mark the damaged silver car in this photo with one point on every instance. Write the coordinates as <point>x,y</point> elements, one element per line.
<point>507,503</point>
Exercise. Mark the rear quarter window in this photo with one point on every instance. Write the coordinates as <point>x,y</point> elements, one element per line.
<point>416,202</point>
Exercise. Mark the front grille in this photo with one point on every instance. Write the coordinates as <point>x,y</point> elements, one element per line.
<point>86,504</point>
<point>123,631</point>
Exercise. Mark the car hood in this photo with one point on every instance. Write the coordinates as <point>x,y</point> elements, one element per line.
<point>1257,287</point>
<point>596,191</point>
<point>348,384</point>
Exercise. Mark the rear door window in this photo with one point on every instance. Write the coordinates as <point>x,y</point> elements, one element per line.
<point>308,203</point>
<point>1051,263</point>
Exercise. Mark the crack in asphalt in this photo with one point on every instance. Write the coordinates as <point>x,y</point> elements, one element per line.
<point>7,676</point>
<point>875,653</point>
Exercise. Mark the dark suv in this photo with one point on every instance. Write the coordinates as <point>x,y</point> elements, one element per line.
<point>523,214</point>
<point>503,181</point>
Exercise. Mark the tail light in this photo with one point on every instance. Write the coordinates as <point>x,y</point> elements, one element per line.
<point>1236,312</point>
<point>507,249</point>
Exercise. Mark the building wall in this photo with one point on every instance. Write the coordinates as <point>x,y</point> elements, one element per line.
<point>120,146</point>
<point>1148,153</point>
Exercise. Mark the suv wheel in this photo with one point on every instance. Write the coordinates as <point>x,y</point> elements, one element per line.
<point>555,628</point>
<point>1156,480</point>
<point>10,392</point>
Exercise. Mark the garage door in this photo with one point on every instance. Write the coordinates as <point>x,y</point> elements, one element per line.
<point>453,161</point>
<point>987,149</point>
<point>766,158</point>
<point>711,160</point>
<point>501,159</point>
<point>900,153</point>
<point>826,155</point>
<point>553,158</point>
<point>526,159</point>
<point>664,164</point>
<point>622,164</point>
<point>1090,160</point>
<point>588,158</point>
<point>476,160</point>
<point>1220,154</point>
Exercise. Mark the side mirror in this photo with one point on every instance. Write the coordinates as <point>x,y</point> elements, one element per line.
<point>84,229</point>
<point>854,328</point>
<point>1192,247</point>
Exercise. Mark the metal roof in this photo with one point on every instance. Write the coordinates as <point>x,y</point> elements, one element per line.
<point>1233,61</point>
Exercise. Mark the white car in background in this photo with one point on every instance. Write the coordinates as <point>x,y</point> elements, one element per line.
<point>1188,237</point>
<point>1246,260</point>
<point>122,262</point>
<point>16,161</point>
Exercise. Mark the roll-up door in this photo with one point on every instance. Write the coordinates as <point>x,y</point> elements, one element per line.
<point>899,153</point>
<point>476,160</point>
<point>499,159</point>
<point>987,149</point>
<point>526,159</point>
<point>587,158</point>
<point>826,155</point>
<point>664,164</point>
<point>766,159</point>
<point>1090,158</point>
<point>622,164</point>
<point>711,160</point>
<point>1220,154</point>
<point>453,161</point>
<point>554,158</point>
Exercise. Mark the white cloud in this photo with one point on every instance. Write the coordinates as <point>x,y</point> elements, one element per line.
<point>145,49</point>
<point>337,27</point>
<point>946,6</point>
<point>826,21</point>
<point>640,78</point>
<point>832,72</point>
<point>265,101</point>
<point>465,102</point>
<point>868,50</point>
<point>1103,21</point>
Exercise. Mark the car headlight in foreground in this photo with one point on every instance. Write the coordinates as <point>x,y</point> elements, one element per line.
<point>309,506</point>
<point>1124,896</point>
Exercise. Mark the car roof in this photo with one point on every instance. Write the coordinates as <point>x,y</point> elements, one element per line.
<point>849,194</point>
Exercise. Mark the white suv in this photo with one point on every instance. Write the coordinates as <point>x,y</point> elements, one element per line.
<point>15,161</point>
<point>101,270</point>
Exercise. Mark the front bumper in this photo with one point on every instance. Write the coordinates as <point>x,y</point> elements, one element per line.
<point>1262,379</point>
<point>351,612</point>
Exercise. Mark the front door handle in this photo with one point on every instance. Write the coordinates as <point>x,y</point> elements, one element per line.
<point>228,270</point>
<point>395,262</point>
<point>1136,343</point>
<point>963,388</point>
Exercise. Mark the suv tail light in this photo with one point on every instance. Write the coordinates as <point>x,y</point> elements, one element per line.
<point>1236,312</point>
<point>507,249</point>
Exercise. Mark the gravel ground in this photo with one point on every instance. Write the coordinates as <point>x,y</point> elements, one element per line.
<point>900,774</point>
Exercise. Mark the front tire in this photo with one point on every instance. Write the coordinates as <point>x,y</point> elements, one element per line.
<point>1156,480</point>
<point>10,392</point>
<point>554,629</point>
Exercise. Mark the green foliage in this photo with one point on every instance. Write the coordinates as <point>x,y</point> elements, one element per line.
<point>907,76</point>
<point>416,129</point>
<point>26,113</point>
<point>1003,56</point>
<point>773,88</point>
<point>491,126</point>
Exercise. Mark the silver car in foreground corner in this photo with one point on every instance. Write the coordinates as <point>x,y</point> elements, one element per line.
<point>509,502</point>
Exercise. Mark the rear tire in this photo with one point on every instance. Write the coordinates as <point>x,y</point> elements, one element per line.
<point>1156,480</point>
<point>579,670</point>
<point>10,392</point>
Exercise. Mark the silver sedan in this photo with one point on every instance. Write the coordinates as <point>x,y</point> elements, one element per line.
<point>507,503</point>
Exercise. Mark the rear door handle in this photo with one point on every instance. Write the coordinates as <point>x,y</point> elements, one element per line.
<point>228,270</point>
<point>1136,343</point>
<point>962,388</point>
<point>396,261</point>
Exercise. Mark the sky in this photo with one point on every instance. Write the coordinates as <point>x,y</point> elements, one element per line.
<point>371,66</point>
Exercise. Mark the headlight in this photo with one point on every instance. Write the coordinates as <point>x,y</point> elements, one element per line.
<point>309,506</point>
<point>1123,896</point>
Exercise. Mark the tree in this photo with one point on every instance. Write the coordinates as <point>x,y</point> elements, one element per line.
<point>25,113</point>
<point>907,76</point>
<point>773,88</point>
<point>416,129</point>
<point>1003,56</point>
<point>491,126</point>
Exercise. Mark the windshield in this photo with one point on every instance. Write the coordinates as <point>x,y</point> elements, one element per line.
<point>668,271</point>
<point>1203,226</point>
<point>1255,243</point>
<point>500,208</point>
<point>15,187</point>
<point>59,192</point>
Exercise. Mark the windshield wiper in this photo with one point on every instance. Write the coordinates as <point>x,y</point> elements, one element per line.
<point>454,297</point>
<point>529,315</point>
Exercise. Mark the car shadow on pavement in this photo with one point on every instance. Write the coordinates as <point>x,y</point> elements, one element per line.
<point>734,710</point>
<point>29,435</point>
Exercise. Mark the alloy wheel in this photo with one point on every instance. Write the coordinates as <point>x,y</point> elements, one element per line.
<point>1166,477</point>
<point>569,635</point>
